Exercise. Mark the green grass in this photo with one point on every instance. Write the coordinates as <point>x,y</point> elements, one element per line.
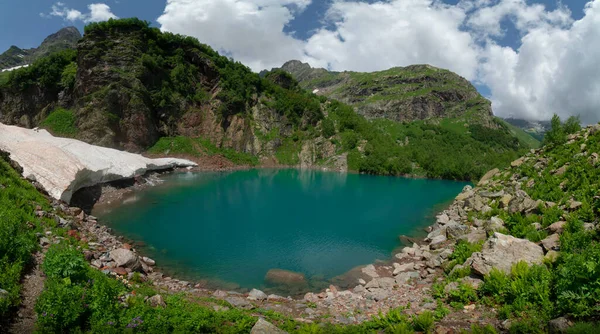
<point>18,226</point>
<point>61,122</point>
<point>4,78</point>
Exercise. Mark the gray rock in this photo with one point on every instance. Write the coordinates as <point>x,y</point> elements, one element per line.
<point>219,294</point>
<point>437,242</point>
<point>239,302</point>
<point>488,176</point>
<point>379,294</point>
<point>381,282</point>
<point>370,270</point>
<point>257,295</point>
<point>359,289</point>
<point>490,194</point>
<point>574,205</point>
<point>494,224</point>
<point>438,231</point>
<point>407,276</point>
<point>502,252</point>
<point>589,227</point>
<point>274,297</point>
<point>44,241</point>
<point>398,268</point>
<point>126,258</point>
<point>149,261</point>
<point>559,325</point>
<point>156,301</point>
<point>474,237</point>
<point>264,327</point>
<point>456,230</point>
<point>443,219</point>
<point>3,293</point>
<point>537,226</point>
<point>472,281</point>
<point>557,227</point>
<point>551,243</point>
<point>475,202</point>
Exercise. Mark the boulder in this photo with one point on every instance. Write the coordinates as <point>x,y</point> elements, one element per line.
<point>156,301</point>
<point>505,200</point>
<point>264,327</point>
<point>239,302</point>
<point>126,258</point>
<point>257,295</point>
<point>493,225</point>
<point>379,294</point>
<point>574,205</point>
<point>371,271</point>
<point>551,243</point>
<point>148,261</point>
<point>438,242</point>
<point>466,193</point>
<point>284,277</point>
<point>475,202</point>
<point>488,176</point>
<point>502,252</point>
<point>381,283</point>
<point>559,325</point>
<point>552,256</point>
<point>398,268</point>
<point>474,237</point>
<point>453,231</point>
<point>490,194</point>
<point>557,227</point>
<point>518,162</point>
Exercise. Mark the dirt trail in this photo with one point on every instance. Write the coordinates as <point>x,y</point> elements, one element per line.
<point>33,284</point>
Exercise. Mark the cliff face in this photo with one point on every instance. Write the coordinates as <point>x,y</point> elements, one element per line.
<point>404,94</point>
<point>132,87</point>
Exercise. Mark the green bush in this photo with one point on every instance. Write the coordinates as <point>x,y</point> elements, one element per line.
<point>65,262</point>
<point>423,322</point>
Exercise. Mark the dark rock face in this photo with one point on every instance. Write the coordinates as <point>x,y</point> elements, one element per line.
<point>403,94</point>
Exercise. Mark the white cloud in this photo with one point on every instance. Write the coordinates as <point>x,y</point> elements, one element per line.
<point>377,36</point>
<point>251,31</point>
<point>97,12</point>
<point>555,70</point>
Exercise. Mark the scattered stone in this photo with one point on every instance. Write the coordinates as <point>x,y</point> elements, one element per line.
<point>551,256</point>
<point>239,302</point>
<point>505,200</point>
<point>382,282</point>
<point>126,258</point>
<point>120,271</point>
<point>149,261</point>
<point>559,325</point>
<point>257,295</point>
<point>274,297</point>
<point>219,294</point>
<point>156,301</point>
<point>437,242</point>
<point>561,170</point>
<point>589,227</point>
<point>44,241</point>
<point>474,237</point>
<point>574,205</point>
<point>489,194</point>
<point>398,268</point>
<point>379,294</point>
<point>557,227</point>
<point>537,226</point>
<point>466,193</point>
<point>488,176</point>
<point>502,252</point>
<point>551,243</point>
<point>455,230</point>
<point>518,162</point>
<point>370,271</point>
<point>472,281</point>
<point>3,293</point>
<point>219,308</point>
<point>264,327</point>
<point>406,276</point>
<point>494,224</point>
<point>362,281</point>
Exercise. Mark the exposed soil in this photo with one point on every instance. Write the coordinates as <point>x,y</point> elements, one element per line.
<point>33,284</point>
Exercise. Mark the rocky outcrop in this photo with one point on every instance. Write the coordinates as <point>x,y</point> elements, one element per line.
<point>502,252</point>
<point>404,94</point>
<point>264,327</point>
<point>62,166</point>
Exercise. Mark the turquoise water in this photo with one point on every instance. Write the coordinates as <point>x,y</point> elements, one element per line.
<point>231,228</point>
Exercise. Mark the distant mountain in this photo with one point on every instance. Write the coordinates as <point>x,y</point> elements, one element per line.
<point>536,129</point>
<point>65,38</point>
<point>404,94</point>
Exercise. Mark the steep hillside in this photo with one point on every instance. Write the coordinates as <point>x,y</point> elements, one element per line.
<point>65,38</point>
<point>132,87</point>
<point>404,94</point>
<point>535,129</point>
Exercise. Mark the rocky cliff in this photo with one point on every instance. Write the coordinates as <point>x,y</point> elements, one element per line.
<point>132,87</point>
<point>404,94</point>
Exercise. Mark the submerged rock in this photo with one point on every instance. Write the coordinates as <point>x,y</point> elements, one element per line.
<point>284,277</point>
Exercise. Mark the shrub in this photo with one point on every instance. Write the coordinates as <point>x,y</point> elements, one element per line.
<point>65,262</point>
<point>423,322</point>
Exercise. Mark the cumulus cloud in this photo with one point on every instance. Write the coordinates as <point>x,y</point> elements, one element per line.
<point>97,12</point>
<point>555,70</point>
<point>380,35</point>
<point>249,30</point>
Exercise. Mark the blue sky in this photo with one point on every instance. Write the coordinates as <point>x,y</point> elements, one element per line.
<point>530,60</point>
<point>21,24</point>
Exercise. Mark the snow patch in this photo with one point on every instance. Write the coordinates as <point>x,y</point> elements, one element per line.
<point>62,165</point>
<point>14,68</point>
